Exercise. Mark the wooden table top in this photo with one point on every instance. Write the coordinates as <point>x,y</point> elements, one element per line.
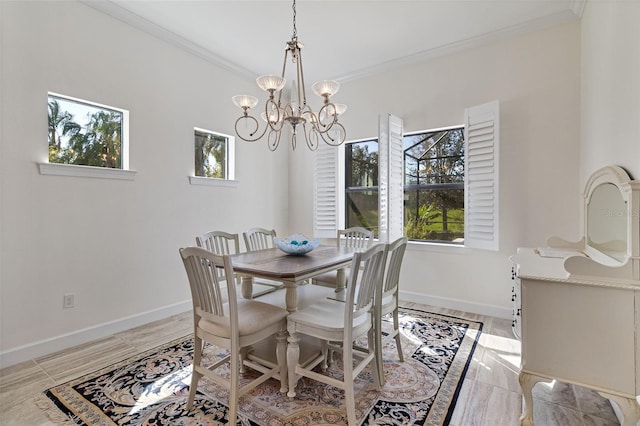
<point>275,264</point>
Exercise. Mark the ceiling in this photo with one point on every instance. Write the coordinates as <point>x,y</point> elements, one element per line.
<point>343,39</point>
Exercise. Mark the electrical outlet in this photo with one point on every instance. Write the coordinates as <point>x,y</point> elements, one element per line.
<point>68,300</point>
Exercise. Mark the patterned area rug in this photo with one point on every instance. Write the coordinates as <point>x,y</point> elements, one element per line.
<point>151,388</point>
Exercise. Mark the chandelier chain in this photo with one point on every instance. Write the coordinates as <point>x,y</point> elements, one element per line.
<point>295,30</point>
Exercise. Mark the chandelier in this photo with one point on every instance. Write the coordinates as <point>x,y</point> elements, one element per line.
<point>322,125</point>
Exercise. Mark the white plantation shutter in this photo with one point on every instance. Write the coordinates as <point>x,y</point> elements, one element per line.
<point>325,190</point>
<point>482,135</point>
<point>390,178</point>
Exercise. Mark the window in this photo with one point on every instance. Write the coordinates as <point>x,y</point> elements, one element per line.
<point>361,184</point>
<point>210,154</point>
<point>434,185</point>
<point>87,134</point>
<point>213,158</point>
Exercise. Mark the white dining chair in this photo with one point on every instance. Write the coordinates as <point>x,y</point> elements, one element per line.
<point>355,237</point>
<point>235,325</point>
<point>220,243</point>
<point>338,325</point>
<point>387,303</point>
<point>261,239</point>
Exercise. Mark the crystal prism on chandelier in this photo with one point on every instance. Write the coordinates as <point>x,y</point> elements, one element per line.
<point>314,127</point>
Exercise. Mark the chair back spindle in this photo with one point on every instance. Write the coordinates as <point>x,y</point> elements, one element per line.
<point>356,237</point>
<point>208,294</point>
<point>259,239</point>
<point>367,269</point>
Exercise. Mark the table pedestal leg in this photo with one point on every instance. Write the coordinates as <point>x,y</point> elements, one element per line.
<point>341,280</point>
<point>246,286</point>
<point>291,296</point>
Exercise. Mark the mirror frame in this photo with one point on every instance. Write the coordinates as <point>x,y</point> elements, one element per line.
<point>629,190</point>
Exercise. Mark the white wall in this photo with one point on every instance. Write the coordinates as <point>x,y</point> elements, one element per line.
<point>112,243</point>
<point>611,87</point>
<point>536,78</point>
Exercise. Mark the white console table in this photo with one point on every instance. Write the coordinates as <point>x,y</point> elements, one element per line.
<point>580,302</point>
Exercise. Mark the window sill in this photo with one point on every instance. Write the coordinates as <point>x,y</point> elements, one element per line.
<point>199,180</point>
<point>85,171</point>
<point>439,247</point>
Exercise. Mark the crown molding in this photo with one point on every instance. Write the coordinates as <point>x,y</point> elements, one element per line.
<point>578,7</point>
<point>470,43</point>
<point>114,10</point>
<point>118,12</point>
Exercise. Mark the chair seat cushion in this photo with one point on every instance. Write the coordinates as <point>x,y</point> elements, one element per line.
<point>325,315</point>
<point>388,304</point>
<point>253,316</point>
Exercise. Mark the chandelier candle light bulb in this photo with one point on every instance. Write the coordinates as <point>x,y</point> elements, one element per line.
<point>297,113</point>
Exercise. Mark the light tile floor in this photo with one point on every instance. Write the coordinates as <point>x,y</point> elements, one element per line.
<point>490,394</point>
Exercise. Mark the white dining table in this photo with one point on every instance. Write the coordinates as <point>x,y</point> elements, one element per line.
<point>291,270</point>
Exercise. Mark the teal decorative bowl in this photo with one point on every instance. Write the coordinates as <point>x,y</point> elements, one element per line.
<point>296,244</point>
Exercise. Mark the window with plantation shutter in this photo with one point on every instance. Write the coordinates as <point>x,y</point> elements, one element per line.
<point>325,189</point>
<point>390,178</point>
<point>482,134</point>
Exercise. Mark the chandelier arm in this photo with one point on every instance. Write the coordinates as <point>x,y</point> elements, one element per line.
<point>334,116</point>
<point>279,118</point>
<point>273,140</point>
<point>250,138</point>
<point>308,114</point>
<point>311,137</point>
<point>334,141</point>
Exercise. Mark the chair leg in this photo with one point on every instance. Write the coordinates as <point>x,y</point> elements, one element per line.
<point>377,347</point>
<point>244,352</point>
<point>195,375</point>
<point>235,362</point>
<point>372,348</point>
<point>349,393</point>
<point>396,328</point>
<point>325,354</point>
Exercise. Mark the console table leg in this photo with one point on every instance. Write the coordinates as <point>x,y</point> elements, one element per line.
<point>629,407</point>
<point>527,382</point>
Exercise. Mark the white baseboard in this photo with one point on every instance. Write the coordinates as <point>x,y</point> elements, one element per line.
<point>460,305</point>
<point>78,337</point>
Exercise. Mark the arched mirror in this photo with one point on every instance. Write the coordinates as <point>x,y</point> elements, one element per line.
<point>611,220</point>
<point>607,215</point>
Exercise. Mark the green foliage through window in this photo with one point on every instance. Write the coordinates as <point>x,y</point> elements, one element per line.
<point>84,134</point>
<point>210,154</point>
<point>361,179</point>
<point>433,185</point>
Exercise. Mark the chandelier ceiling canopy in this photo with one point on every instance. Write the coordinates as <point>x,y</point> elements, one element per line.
<point>294,111</point>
